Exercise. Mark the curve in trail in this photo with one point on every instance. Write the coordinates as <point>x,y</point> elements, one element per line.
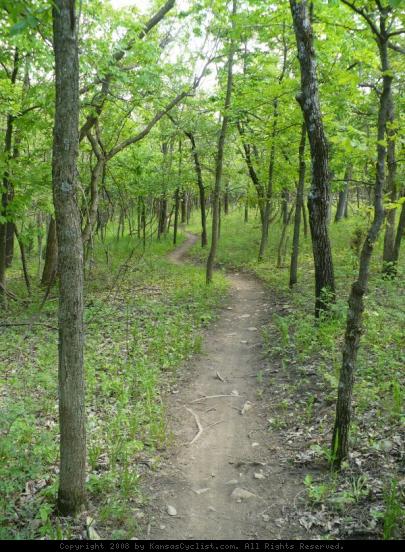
<point>225,476</point>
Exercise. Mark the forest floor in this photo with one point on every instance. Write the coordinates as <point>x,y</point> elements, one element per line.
<point>226,476</point>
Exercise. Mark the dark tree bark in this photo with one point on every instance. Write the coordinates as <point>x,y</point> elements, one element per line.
<point>283,240</point>
<point>183,206</point>
<point>319,195</point>
<point>341,208</point>
<point>162,221</point>
<point>201,190</point>
<point>220,158</point>
<point>340,440</point>
<point>389,262</point>
<point>9,243</point>
<point>23,260</point>
<point>71,494</point>
<point>246,213</point>
<point>226,200</point>
<point>176,214</point>
<point>7,191</point>
<point>143,221</point>
<point>51,256</point>
<point>39,240</point>
<point>298,208</point>
<point>251,170</point>
<point>285,196</point>
<point>304,218</point>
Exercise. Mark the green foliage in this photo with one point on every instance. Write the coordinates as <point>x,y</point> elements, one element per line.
<point>136,337</point>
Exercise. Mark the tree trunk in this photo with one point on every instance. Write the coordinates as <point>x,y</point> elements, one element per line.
<point>23,261</point>
<point>246,214</point>
<point>201,189</point>
<point>220,157</point>
<point>389,262</point>
<point>285,196</point>
<point>143,220</point>
<point>39,241</point>
<point>162,217</point>
<point>9,243</point>
<point>340,440</point>
<point>226,200</point>
<point>304,219</point>
<point>71,494</point>
<point>7,189</point>
<point>51,256</point>
<point>341,209</point>
<point>283,240</point>
<point>176,214</point>
<point>400,233</point>
<point>319,195</point>
<point>183,206</point>
<point>298,208</point>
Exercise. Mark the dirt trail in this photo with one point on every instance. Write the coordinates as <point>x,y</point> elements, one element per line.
<point>234,451</point>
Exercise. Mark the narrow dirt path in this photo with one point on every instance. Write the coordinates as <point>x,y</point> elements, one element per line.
<point>225,476</point>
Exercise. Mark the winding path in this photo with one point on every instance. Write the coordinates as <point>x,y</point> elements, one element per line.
<point>225,476</point>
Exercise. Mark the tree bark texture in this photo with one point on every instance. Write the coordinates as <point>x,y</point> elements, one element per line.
<point>319,195</point>
<point>71,494</point>
<point>298,208</point>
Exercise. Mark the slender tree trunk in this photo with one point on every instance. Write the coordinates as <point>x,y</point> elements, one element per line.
<point>298,208</point>
<point>71,494</point>
<point>7,189</point>
<point>226,200</point>
<point>143,220</point>
<point>51,256</point>
<point>389,261</point>
<point>162,217</point>
<point>246,214</point>
<point>9,243</point>
<point>283,240</point>
<point>220,157</point>
<point>264,237</point>
<point>201,188</point>
<point>39,241</point>
<point>183,206</point>
<point>176,214</point>
<point>304,219</point>
<point>341,208</point>
<point>138,213</point>
<point>319,195</point>
<point>340,440</point>
<point>23,261</point>
<point>285,196</point>
<point>269,190</point>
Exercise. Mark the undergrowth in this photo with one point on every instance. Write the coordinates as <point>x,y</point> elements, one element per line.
<point>366,499</point>
<point>142,320</point>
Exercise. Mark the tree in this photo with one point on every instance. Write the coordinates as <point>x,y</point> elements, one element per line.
<point>298,208</point>
<point>340,439</point>
<point>220,155</point>
<point>71,494</point>
<point>319,195</point>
